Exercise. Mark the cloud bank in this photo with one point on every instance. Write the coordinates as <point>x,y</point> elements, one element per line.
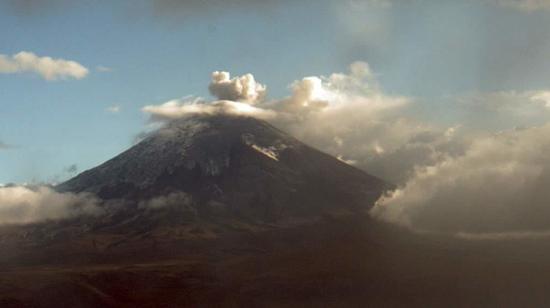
<point>498,185</point>
<point>351,117</point>
<point>25,205</point>
<point>48,68</point>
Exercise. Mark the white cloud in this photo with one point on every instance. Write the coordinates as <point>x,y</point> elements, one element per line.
<point>113,109</point>
<point>242,88</point>
<point>541,97</point>
<point>179,108</point>
<point>350,116</point>
<point>498,185</point>
<point>24,205</point>
<point>48,68</point>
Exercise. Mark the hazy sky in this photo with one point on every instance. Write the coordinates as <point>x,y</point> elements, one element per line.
<point>128,54</point>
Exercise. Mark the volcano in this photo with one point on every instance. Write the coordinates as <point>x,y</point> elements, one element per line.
<point>231,165</point>
<point>206,211</point>
<point>228,211</point>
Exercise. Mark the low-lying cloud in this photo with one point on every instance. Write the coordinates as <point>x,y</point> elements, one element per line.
<point>498,185</point>
<point>25,205</point>
<point>175,199</point>
<point>48,68</point>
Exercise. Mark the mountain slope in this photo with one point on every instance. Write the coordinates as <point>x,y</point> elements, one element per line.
<point>230,164</point>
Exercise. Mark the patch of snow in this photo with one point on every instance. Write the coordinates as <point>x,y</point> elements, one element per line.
<point>269,152</point>
<point>347,161</point>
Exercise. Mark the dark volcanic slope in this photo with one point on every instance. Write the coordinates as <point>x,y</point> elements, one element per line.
<point>236,164</point>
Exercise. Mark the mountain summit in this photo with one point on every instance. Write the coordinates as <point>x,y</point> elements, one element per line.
<point>232,164</point>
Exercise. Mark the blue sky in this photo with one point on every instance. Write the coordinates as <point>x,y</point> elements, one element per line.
<point>429,50</point>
